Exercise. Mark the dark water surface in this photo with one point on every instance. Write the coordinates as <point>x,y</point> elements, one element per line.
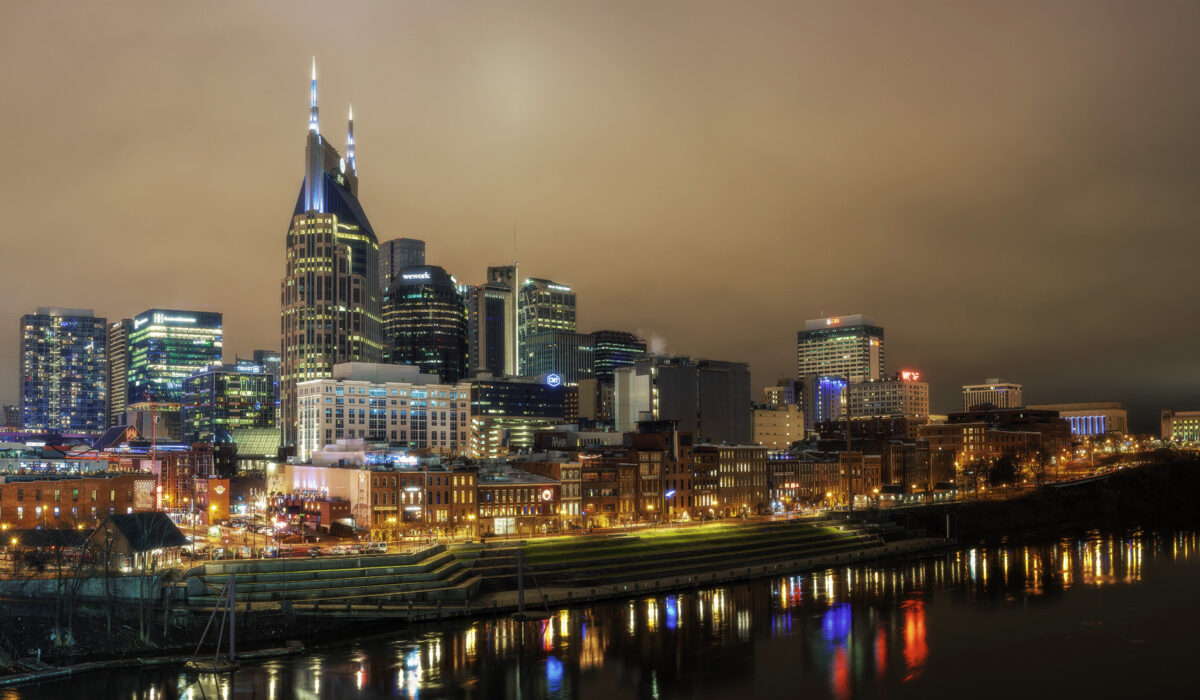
<point>1106,615</point>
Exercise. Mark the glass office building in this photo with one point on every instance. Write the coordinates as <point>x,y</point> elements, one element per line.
<point>224,398</point>
<point>425,322</point>
<point>166,346</point>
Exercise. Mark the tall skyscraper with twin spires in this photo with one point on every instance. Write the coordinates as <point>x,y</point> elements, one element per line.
<point>329,297</point>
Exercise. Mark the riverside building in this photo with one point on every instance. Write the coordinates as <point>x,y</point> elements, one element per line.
<point>329,296</point>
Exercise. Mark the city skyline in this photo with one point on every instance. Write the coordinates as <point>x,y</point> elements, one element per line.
<point>746,234</point>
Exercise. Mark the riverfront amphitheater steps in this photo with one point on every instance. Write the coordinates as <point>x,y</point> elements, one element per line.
<point>427,575</point>
<point>609,561</point>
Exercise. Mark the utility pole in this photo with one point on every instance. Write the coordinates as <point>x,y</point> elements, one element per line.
<point>849,467</point>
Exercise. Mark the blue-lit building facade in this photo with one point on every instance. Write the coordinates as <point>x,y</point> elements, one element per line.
<point>505,413</point>
<point>330,304</point>
<point>63,365</point>
<point>226,397</point>
<point>824,399</point>
<point>166,346</point>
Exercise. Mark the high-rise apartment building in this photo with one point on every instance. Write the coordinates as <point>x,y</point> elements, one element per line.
<point>613,350</point>
<point>568,354</point>
<point>330,294</point>
<point>167,346</point>
<point>397,254</point>
<point>63,368</point>
<point>846,346</point>
<point>995,391</point>
<point>543,305</point>
<point>117,374</point>
<point>425,322</point>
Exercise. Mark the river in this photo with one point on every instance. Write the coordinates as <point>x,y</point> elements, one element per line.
<point>1101,615</point>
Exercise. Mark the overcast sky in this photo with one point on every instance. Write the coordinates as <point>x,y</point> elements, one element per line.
<point>1010,190</point>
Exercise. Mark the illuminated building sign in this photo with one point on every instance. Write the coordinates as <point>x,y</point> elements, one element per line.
<point>163,318</point>
<point>547,494</point>
<point>416,275</point>
<point>559,287</point>
<point>553,380</point>
<point>908,375</point>
<point>833,321</point>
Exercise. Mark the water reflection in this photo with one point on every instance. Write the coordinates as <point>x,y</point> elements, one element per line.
<point>860,631</point>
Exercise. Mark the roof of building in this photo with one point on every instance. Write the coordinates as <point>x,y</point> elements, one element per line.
<point>257,441</point>
<point>146,531</point>
<point>115,436</point>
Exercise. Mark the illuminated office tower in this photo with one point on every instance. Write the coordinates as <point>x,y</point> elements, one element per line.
<point>848,346</point>
<point>613,350</point>
<point>425,322</point>
<point>117,375</point>
<point>62,371</point>
<point>167,346</point>
<point>330,294</point>
<point>223,398</point>
<point>568,354</point>
<point>542,306</point>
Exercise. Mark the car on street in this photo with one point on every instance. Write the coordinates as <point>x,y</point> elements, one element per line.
<point>315,552</point>
<point>376,547</point>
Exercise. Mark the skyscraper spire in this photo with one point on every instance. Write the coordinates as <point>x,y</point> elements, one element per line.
<point>350,143</point>
<point>314,174</point>
<point>312,110</point>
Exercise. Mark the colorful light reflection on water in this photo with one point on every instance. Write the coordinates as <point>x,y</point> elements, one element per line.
<point>904,629</point>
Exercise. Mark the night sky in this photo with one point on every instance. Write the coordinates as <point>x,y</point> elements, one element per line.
<point>1010,190</point>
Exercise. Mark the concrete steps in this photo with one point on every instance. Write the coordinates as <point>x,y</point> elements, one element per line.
<point>427,575</point>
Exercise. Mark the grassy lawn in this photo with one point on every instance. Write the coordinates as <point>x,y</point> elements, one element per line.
<point>640,542</point>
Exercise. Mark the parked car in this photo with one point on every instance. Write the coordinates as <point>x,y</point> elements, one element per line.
<point>270,552</point>
<point>339,549</point>
<point>376,547</point>
<point>315,552</point>
<point>244,553</point>
<point>220,553</point>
